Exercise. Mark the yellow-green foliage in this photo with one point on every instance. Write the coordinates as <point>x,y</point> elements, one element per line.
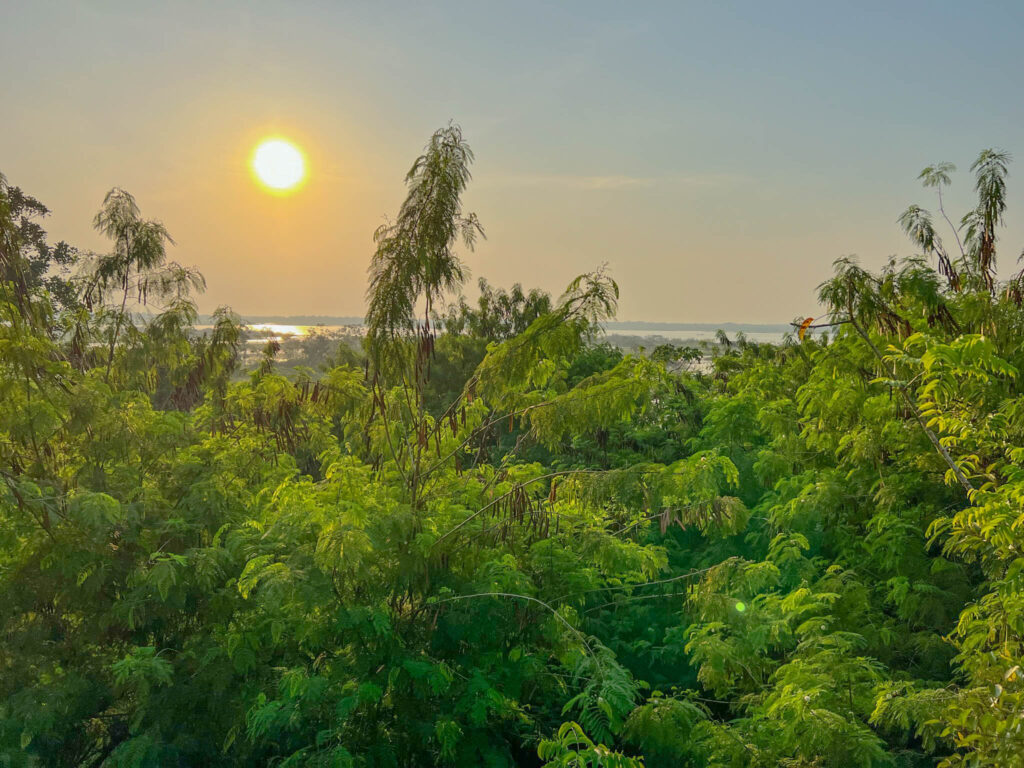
<point>811,555</point>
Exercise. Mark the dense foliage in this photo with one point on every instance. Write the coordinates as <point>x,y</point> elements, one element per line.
<point>505,543</point>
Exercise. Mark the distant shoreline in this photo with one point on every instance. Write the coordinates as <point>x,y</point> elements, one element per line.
<point>623,325</point>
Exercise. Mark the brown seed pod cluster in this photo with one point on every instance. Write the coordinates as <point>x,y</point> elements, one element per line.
<point>517,513</point>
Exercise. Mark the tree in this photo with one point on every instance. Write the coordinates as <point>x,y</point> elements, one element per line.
<point>414,260</point>
<point>47,266</point>
<point>498,314</point>
<point>468,330</point>
<point>138,263</point>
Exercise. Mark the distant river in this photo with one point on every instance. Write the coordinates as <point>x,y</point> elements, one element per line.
<point>698,334</point>
<point>260,333</point>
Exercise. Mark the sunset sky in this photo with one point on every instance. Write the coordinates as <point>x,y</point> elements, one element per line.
<point>717,156</point>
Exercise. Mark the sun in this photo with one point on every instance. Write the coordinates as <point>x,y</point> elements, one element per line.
<point>279,165</point>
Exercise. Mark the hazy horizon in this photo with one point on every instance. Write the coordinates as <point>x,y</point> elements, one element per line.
<point>619,324</point>
<point>717,158</point>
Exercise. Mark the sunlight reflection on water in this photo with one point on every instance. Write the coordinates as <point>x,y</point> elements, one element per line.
<point>275,329</point>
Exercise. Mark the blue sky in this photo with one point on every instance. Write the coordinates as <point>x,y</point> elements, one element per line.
<point>717,156</point>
